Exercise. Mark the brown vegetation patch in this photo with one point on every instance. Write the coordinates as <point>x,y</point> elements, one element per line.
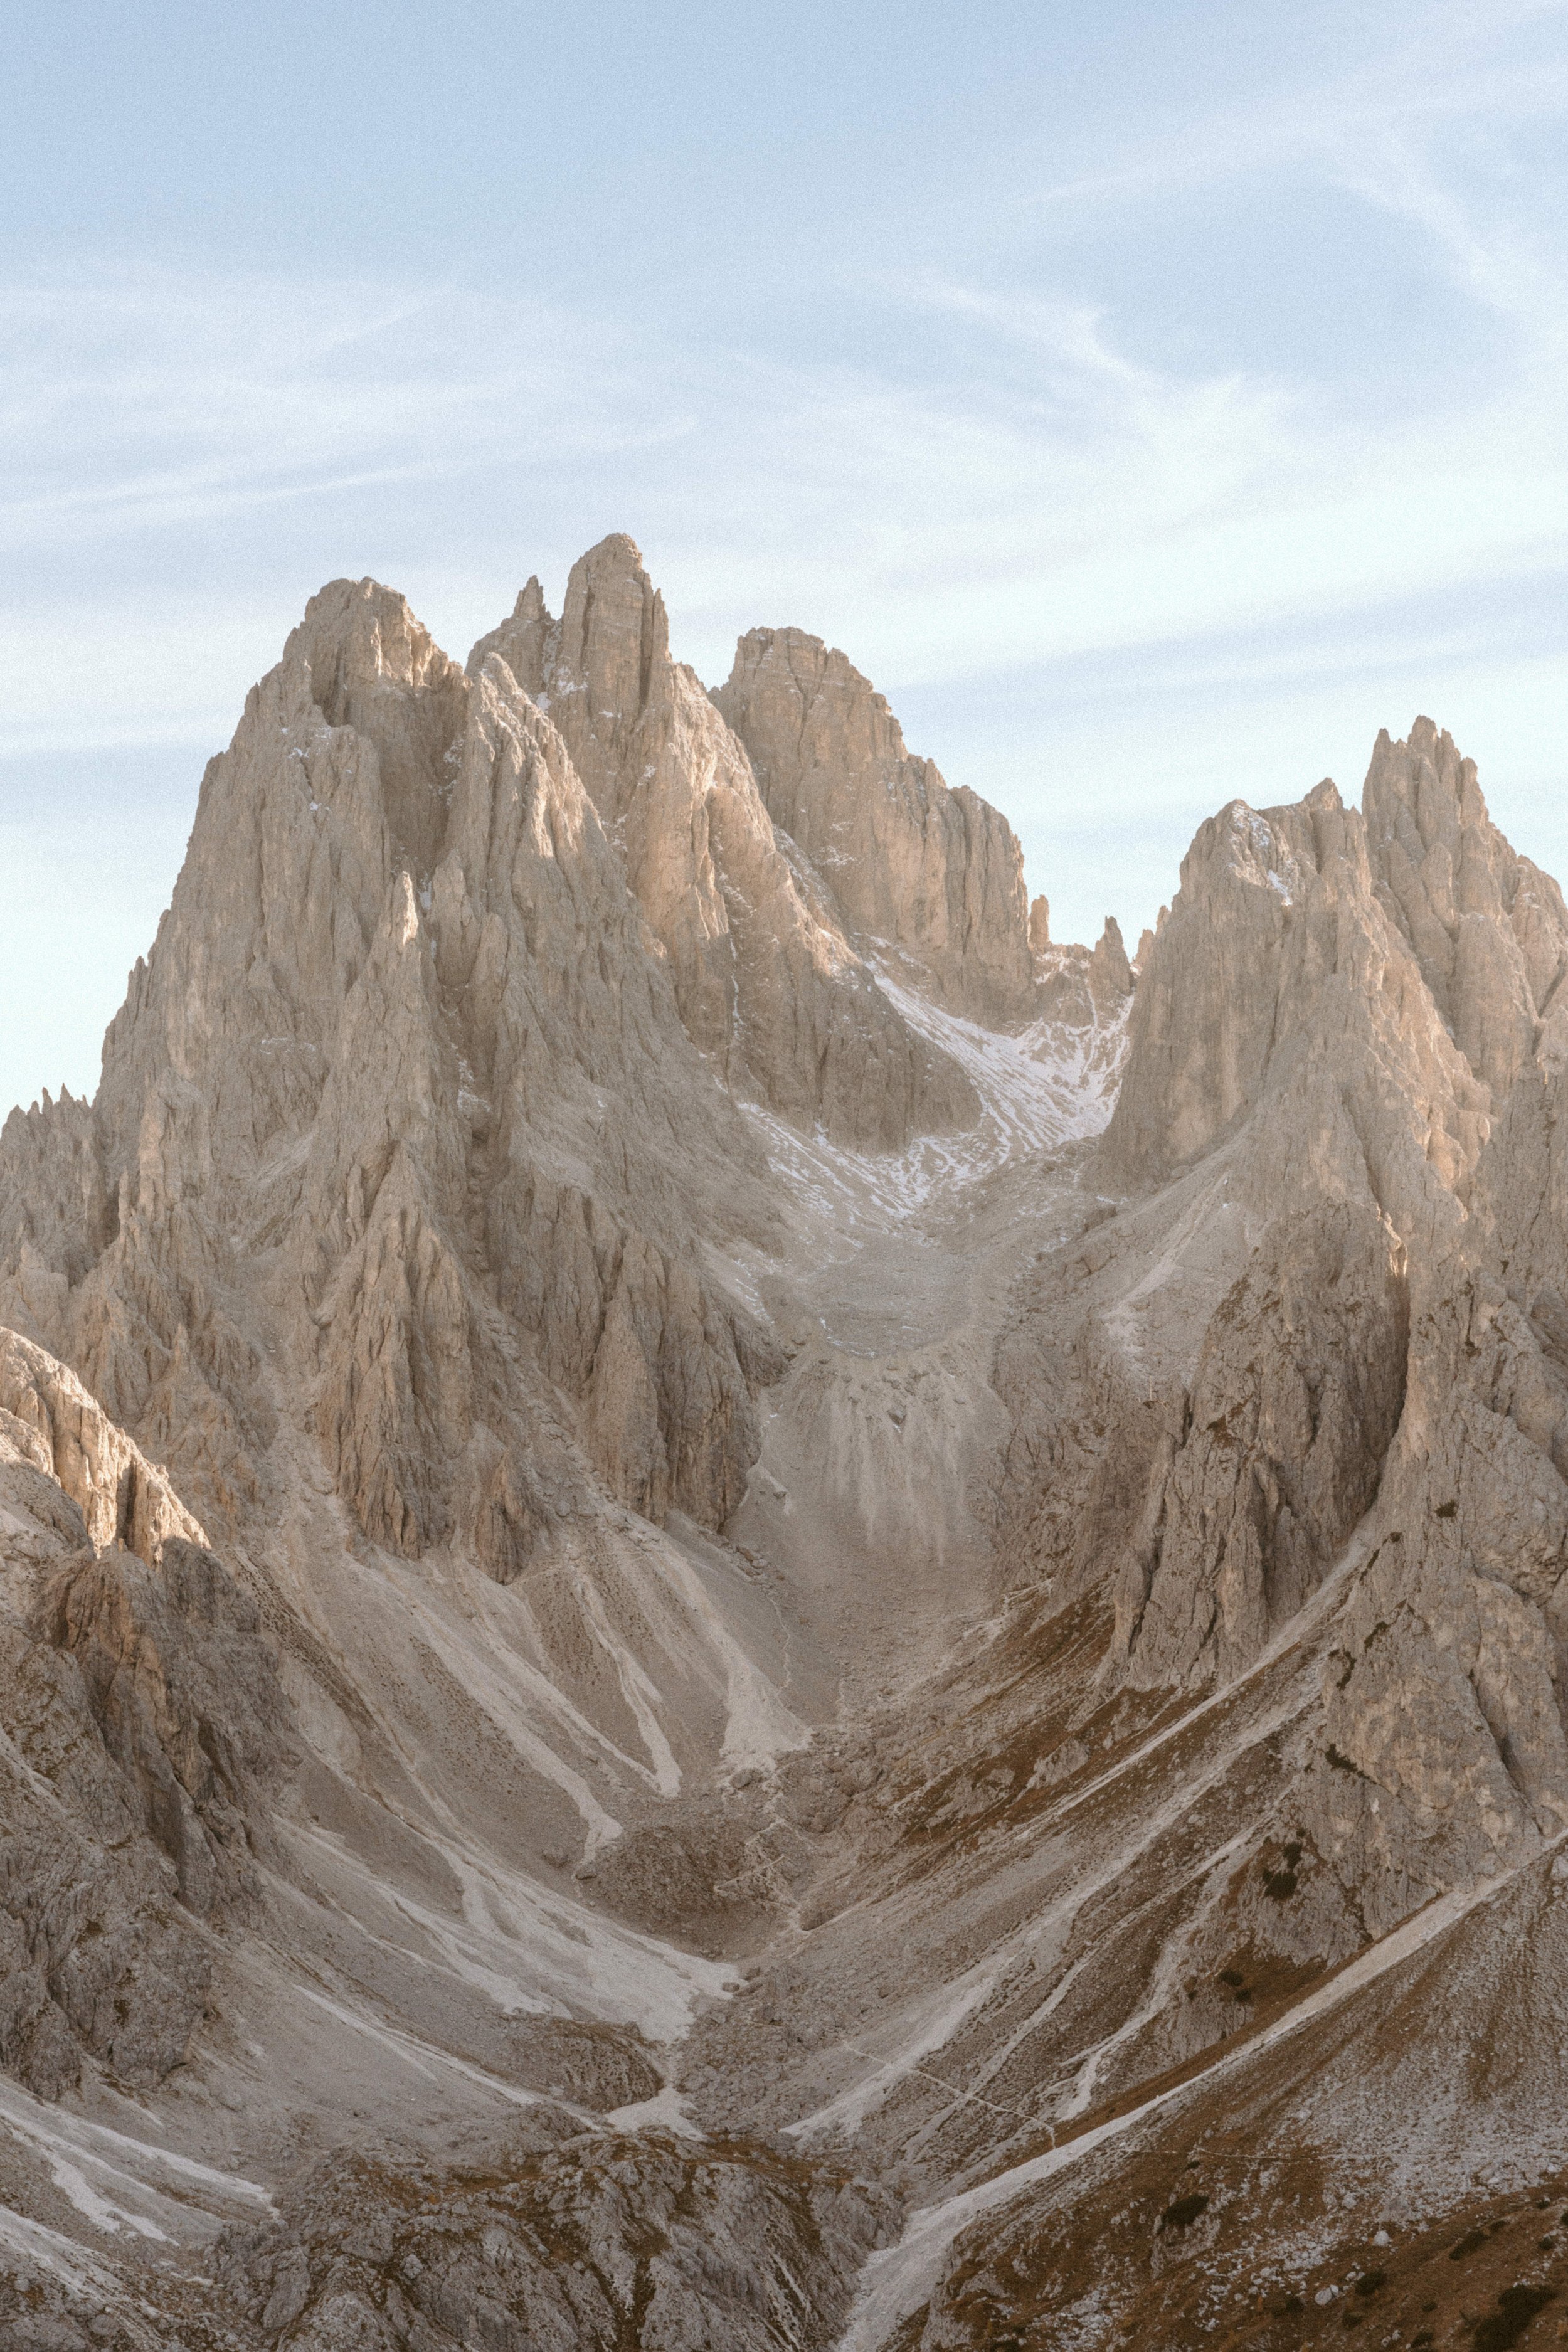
<point>1478,2277</point>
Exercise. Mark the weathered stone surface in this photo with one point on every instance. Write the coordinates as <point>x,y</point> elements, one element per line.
<point>591,2243</point>
<point>934,872</point>
<point>402,1012</point>
<point>123,1499</point>
<point>1279,976</point>
<point>1488,927</point>
<point>1297,1394</point>
<point>1084,988</point>
<point>184,1689</point>
<point>101,1957</point>
<point>767,981</point>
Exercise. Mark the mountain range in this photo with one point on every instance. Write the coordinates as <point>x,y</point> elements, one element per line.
<point>743,1612</point>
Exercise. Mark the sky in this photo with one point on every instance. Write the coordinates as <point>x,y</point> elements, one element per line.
<point>1154,400</point>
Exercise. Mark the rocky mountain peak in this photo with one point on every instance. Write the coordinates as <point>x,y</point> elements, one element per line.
<point>1487,927</point>
<point>375,670</point>
<point>838,712</point>
<point>614,638</point>
<point>766,974</point>
<point>1276,970</point>
<point>1109,959</point>
<point>526,640</point>
<point>935,876</point>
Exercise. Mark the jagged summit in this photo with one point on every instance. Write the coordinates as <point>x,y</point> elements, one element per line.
<point>737,1607</point>
<point>934,873</point>
<point>1487,929</point>
<point>773,919</point>
<point>464,978</point>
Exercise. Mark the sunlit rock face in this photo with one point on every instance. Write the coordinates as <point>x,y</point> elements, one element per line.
<point>912,866</point>
<point>740,1606</point>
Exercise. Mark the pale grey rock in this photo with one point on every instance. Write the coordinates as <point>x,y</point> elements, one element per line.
<point>1279,974</point>
<point>104,1856</point>
<point>934,872</point>
<point>123,1497</point>
<point>570,2247</point>
<point>184,1688</point>
<point>1297,1394</point>
<point>1488,928</point>
<point>315,1061</point>
<point>1084,989</point>
<point>767,981</point>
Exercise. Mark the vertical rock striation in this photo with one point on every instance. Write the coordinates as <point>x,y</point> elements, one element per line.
<point>935,874</point>
<point>767,982</point>
<point>1487,929</point>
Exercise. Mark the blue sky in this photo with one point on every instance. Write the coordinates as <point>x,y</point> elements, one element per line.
<point>1155,400</point>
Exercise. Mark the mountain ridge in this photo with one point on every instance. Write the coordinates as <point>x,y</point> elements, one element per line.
<point>813,1551</point>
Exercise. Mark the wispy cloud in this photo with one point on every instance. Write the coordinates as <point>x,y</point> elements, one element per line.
<point>1430,70</point>
<point>1002,477</point>
<point>139,399</point>
<point>205,450</point>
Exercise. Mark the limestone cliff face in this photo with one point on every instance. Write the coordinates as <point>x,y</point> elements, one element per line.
<point>767,982</point>
<point>936,874</point>
<point>1326,1342</point>
<point>1295,1398</point>
<point>146,1734</point>
<point>406,1043</point>
<point>53,1422</point>
<point>1278,976</point>
<point>1078,987</point>
<point>1488,927</point>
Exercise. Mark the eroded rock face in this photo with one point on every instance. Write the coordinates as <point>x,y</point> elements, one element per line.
<point>1279,974</point>
<point>1488,927</point>
<point>50,1419</point>
<point>934,872</point>
<point>1323,1345</point>
<point>579,2243</point>
<point>184,1688</point>
<point>765,978</point>
<point>1082,988</point>
<point>56,1214</point>
<point>405,1020</point>
<point>145,1733</point>
<point>1297,1394</point>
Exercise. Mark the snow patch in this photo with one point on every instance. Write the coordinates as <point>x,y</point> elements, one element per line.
<point>1040,1088</point>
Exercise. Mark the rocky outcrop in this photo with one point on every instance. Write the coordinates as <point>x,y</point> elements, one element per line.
<point>767,981</point>
<point>1487,929</point>
<point>1305,1331</point>
<point>184,1688</point>
<point>57,1212</point>
<point>934,873</point>
<point>1276,978</point>
<point>99,1959</point>
<point>1297,1394</point>
<point>404,1023</point>
<point>1079,988</point>
<point>50,1418</point>
<point>732,1561</point>
<point>589,2244</point>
